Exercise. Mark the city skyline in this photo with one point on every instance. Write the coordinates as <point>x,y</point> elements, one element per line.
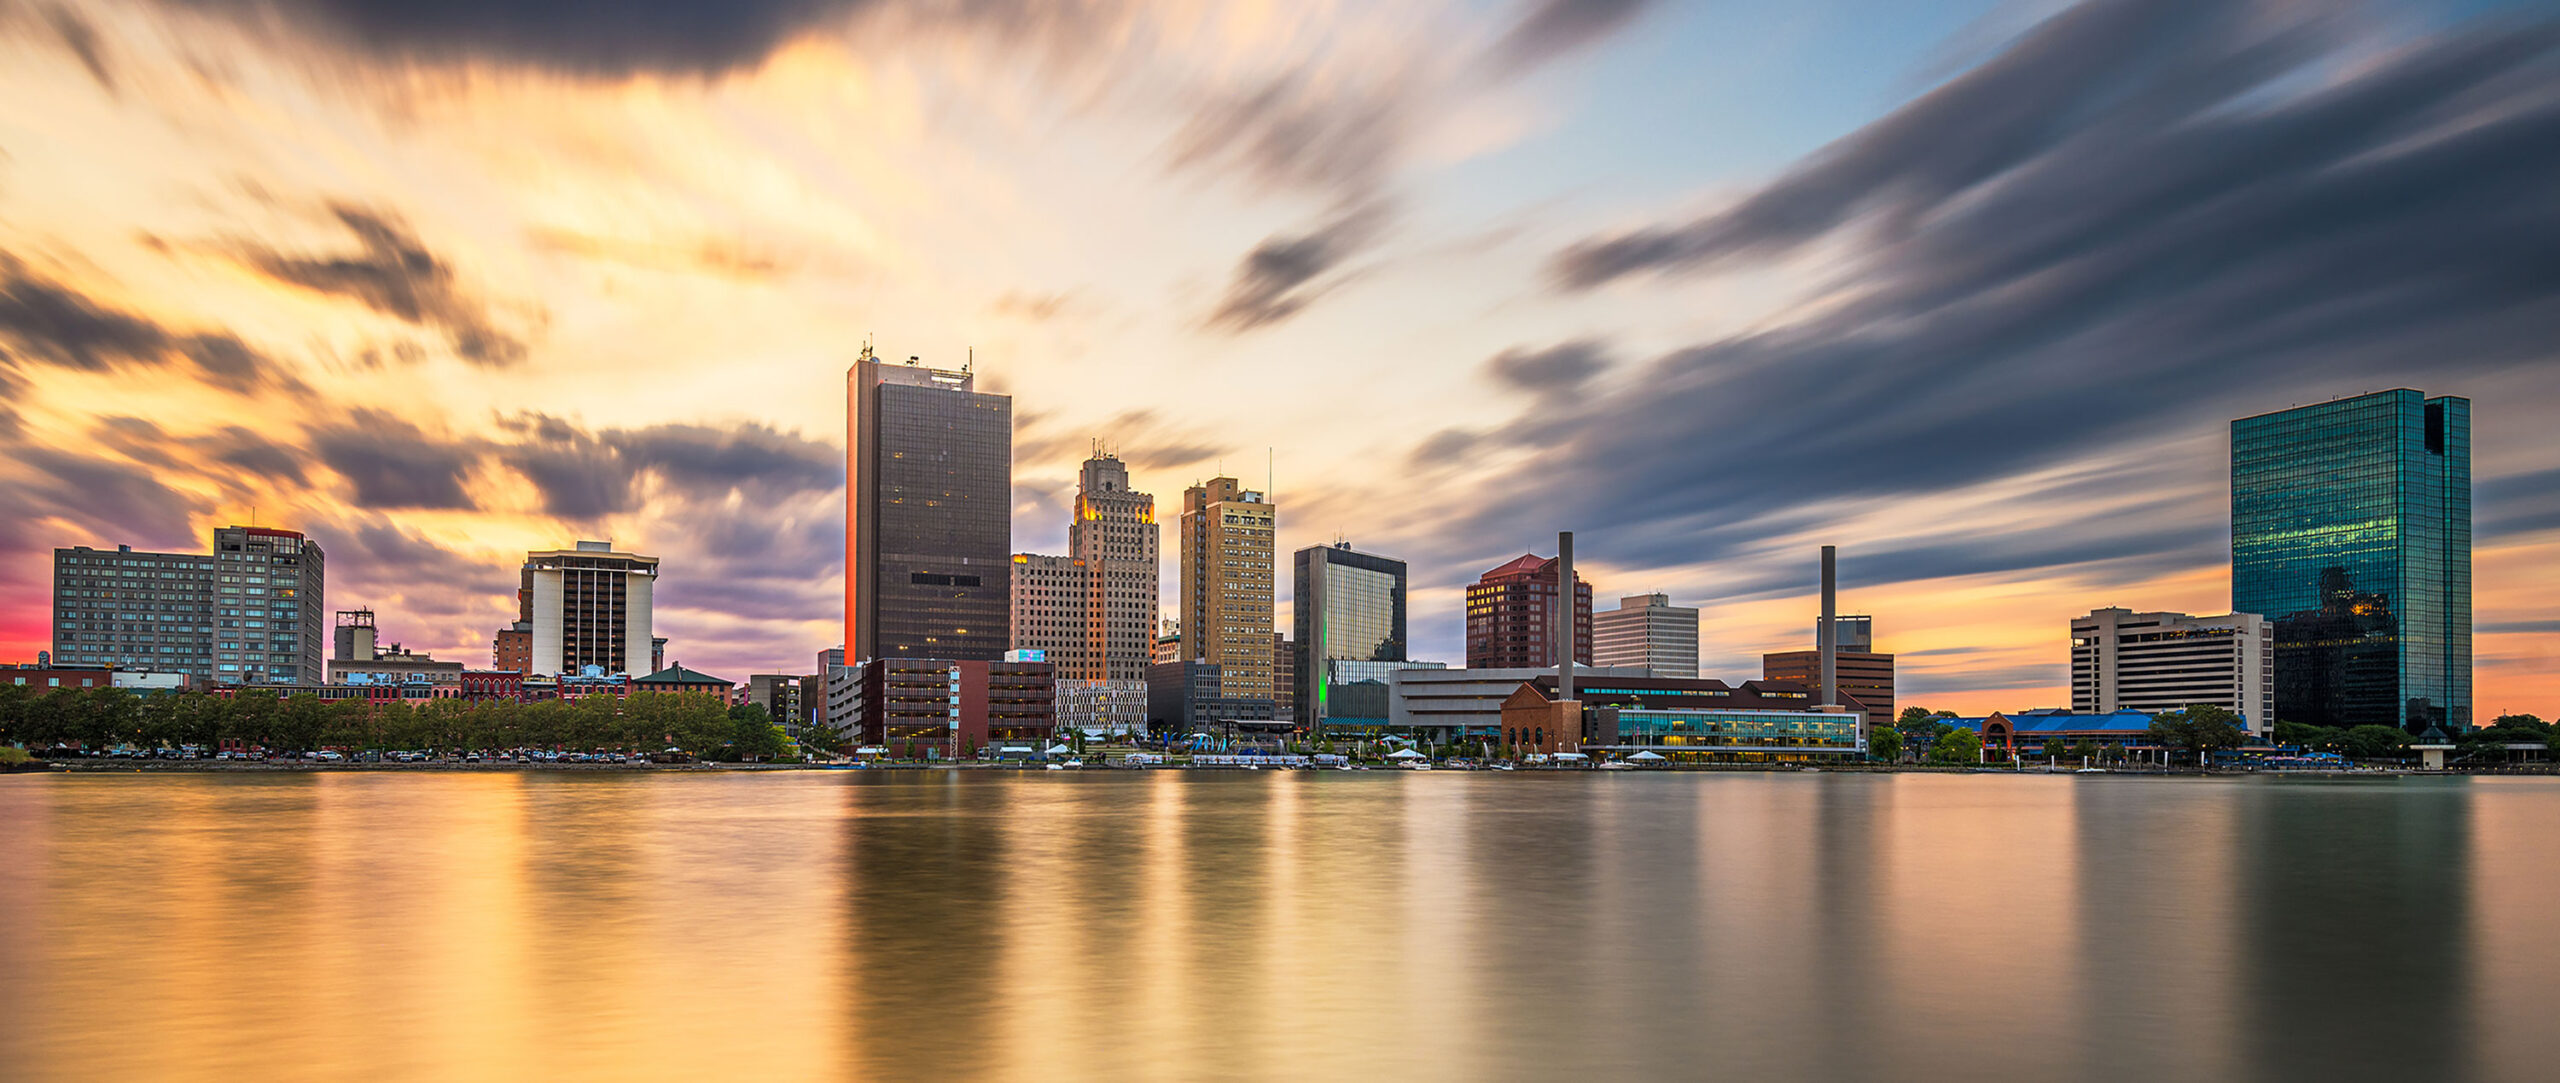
<point>436,295</point>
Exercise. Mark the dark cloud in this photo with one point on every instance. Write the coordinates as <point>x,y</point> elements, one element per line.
<point>393,273</point>
<point>2519,627</point>
<point>2161,220</point>
<point>1562,367</point>
<point>1141,438</point>
<point>82,39</point>
<point>1295,132</point>
<point>392,464</point>
<point>617,39</point>
<point>1282,274</point>
<point>583,475</point>
<point>125,502</point>
<point>2517,504</point>
<point>1552,28</point>
<point>44,321</point>
<point>1444,448</point>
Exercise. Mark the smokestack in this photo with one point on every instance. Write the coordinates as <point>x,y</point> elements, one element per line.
<point>1568,601</point>
<point>1826,636</point>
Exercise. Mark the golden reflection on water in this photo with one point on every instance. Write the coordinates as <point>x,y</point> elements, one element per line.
<point>1175,926</point>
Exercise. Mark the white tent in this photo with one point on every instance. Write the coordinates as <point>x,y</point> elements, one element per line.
<point>1407,753</point>
<point>1056,750</point>
<point>1647,756</point>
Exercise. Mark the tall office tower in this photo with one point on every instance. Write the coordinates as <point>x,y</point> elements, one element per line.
<point>2127,661</point>
<point>928,518</point>
<point>1348,611</point>
<point>295,641</point>
<point>248,613</point>
<point>589,606</point>
<point>1052,613</point>
<point>1227,540</point>
<point>1509,625</point>
<point>2351,534</point>
<point>1114,533</point>
<point>1647,631</point>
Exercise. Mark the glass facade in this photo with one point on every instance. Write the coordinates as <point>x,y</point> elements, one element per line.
<point>1348,615</point>
<point>2351,534</point>
<point>929,530</point>
<point>1672,733</point>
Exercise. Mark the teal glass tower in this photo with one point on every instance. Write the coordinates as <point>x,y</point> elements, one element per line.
<point>2351,534</point>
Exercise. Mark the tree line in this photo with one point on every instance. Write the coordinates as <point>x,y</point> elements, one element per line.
<point>105,718</point>
<point>2204,729</point>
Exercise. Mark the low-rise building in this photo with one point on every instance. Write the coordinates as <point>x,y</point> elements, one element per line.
<point>1446,705</point>
<point>677,678</point>
<point>2009,733</point>
<point>932,708</point>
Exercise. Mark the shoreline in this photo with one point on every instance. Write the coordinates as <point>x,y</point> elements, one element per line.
<point>87,767</point>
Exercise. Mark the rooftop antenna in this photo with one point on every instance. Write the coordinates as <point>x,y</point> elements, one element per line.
<point>1270,474</point>
<point>972,361</point>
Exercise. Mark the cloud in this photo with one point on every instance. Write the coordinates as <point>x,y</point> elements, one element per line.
<point>126,502</point>
<point>392,464</point>
<point>1553,28</point>
<point>1280,276</point>
<point>584,475</point>
<point>82,39</point>
<point>2166,216</point>
<point>620,39</point>
<point>1562,367</point>
<point>393,273</point>
<point>44,321</point>
<point>1141,438</point>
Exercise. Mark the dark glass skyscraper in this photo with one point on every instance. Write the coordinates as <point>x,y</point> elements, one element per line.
<point>928,518</point>
<point>1348,611</point>
<point>2351,534</point>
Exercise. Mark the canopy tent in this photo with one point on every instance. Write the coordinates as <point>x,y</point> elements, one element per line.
<point>1571,756</point>
<point>1059,749</point>
<point>1404,754</point>
<point>1646,756</point>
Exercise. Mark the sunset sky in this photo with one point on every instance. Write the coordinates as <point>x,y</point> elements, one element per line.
<point>1970,289</point>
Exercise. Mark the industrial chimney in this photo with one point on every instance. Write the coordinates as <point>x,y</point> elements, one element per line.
<point>1568,604</point>
<point>1826,636</point>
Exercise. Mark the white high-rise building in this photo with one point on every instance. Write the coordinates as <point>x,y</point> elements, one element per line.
<point>1647,631</point>
<point>2123,660</point>
<point>589,606</point>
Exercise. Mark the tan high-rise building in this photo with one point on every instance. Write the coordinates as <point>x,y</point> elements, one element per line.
<point>1052,613</point>
<point>1114,533</point>
<point>1227,545</point>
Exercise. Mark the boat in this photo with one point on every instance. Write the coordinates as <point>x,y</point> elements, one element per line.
<point>1062,767</point>
<point>2082,771</point>
<point>1614,765</point>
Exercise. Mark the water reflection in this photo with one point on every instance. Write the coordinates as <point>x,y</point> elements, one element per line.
<point>1274,925</point>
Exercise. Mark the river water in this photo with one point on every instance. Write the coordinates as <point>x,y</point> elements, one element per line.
<point>1195,925</point>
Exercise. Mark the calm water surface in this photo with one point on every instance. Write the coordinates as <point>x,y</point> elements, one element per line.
<point>1189,925</point>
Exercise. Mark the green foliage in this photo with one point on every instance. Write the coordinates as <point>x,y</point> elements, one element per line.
<point>2200,730</point>
<point>1956,745</point>
<point>644,722</point>
<point>2315,738</point>
<point>1885,744</point>
<point>2053,748</point>
<point>2521,721</point>
<point>2374,742</point>
<point>2083,749</point>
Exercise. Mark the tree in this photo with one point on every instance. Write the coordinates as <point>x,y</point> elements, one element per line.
<point>1885,744</point>
<point>2083,750</point>
<point>2201,729</point>
<point>1956,745</point>
<point>2053,749</point>
<point>2520,721</point>
<point>2375,742</point>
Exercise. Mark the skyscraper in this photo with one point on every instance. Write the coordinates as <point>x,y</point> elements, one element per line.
<point>249,613</point>
<point>2351,534</point>
<point>1227,579</point>
<point>1647,631</point>
<point>1348,611</point>
<point>1510,616</point>
<point>928,514</point>
<point>589,606</point>
<point>1114,533</point>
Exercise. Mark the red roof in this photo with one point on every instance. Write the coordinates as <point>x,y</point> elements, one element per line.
<point>1525,564</point>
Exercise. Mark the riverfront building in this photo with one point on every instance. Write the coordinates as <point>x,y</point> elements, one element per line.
<point>1227,587</point>
<point>1092,614</point>
<point>2123,660</point>
<point>928,514</point>
<point>2351,534</point>
<point>1348,608</point>
<point>1862,672</point>
<point>251,612</point>
<point>1648,632</point>
<point>1511,621</point>
<point>934,708</point>
<point>587,606</point>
